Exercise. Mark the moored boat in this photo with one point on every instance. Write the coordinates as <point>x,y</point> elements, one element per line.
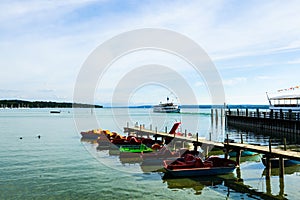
<point>91,134</point>
<point>135,149</point>
<point>243,153</point>
<point>191,165</point>
<point>288,100</point>
<point>275,162</point>
<point>157,158</point>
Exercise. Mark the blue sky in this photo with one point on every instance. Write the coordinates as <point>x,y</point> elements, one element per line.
<point>255,46</point>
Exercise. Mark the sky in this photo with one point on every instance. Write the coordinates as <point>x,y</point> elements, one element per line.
<point>254,46</point>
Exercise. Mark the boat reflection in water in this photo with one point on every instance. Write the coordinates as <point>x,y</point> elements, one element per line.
<point>197,183</point>
<point>275,172</point>
<point>287,170</point>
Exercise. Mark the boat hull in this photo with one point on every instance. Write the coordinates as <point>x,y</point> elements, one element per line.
<point>243,153</point>
<point>135,149</point>
<point>161,110</point>
<point>166,108</point>
<point>199,171</point>
<point>275,162</point>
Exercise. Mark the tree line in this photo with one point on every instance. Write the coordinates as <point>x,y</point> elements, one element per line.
<point>43,104</point>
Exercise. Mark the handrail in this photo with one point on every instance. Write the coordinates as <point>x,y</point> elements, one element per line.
<point>291,116</point>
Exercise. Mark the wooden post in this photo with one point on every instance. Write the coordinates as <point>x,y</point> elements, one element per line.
<point>281,167</point>
<point>246,112</point>
<point>211,115</point>
<point>206,153</point>
<point>238,173</point>
<point>271,114</point>
<point>196,144</point>
<point>150,127</point>
<point>185,131</point>
<point>290,114</point>
<point>284,144</point>
<point>222,117</point>
<point>242,141</point>
<point>268,168</point>
<point>127,124</point>
<point>140,127</point>
<point>270,145</point>
<point>227,139</point>
<point>268,186</point>
<point>281,187</point>
<point>166,129</point>
<point>226,149</point>
<point>238,157</point>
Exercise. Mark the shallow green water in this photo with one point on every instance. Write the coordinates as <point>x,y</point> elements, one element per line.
<point>60,166</point>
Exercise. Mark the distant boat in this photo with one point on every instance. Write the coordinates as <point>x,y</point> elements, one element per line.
<point>55,111</point>
<point>168,107</point>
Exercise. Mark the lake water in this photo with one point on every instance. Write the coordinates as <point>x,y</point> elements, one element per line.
<point>58,165</point>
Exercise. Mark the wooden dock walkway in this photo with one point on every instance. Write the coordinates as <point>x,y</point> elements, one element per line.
<point>226,146</point>
<point>139,131</point>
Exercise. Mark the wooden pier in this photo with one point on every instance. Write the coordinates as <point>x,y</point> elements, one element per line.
<point>227,146</point>
<point>276,124</point>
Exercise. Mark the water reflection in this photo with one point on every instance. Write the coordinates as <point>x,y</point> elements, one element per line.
<point>287,170</point>
<point>234,184</point>
<point>197,184</point>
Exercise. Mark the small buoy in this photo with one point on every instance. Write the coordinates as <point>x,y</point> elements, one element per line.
<point>39,136</point>
<point>21,138</point>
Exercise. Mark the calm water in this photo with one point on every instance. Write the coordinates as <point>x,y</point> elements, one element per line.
<point>60,166</point>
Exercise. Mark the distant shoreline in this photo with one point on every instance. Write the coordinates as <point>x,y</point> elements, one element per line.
<point>234,106</point>
<point>50,104</point>
<point>43,104</point>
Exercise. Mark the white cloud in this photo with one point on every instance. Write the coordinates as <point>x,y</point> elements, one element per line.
<point>264,77</point>
<point>234,81</point>
<point>41,45</point>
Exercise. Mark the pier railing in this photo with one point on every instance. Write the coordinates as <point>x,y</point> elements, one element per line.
<point>277,124</point>
<point>291,116</point>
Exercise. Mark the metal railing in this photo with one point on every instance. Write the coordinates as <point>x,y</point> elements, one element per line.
<point>291,116</point>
